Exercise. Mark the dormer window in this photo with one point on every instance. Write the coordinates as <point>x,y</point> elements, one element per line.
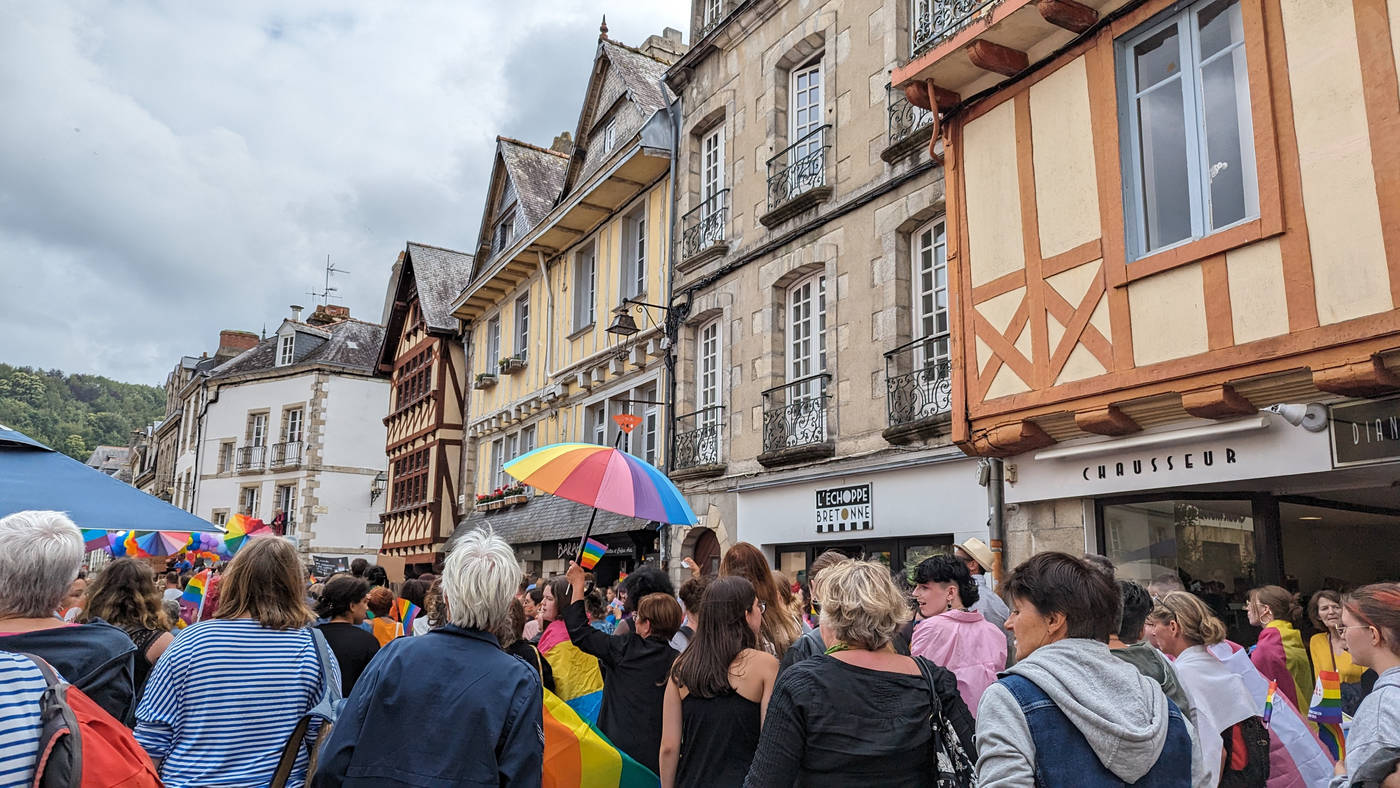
<point>286,349</point>
<point>610,135</point>
<point>505,229</point>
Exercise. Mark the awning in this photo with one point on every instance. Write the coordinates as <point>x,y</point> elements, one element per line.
<point>546,518</point>
<point>33,476</point>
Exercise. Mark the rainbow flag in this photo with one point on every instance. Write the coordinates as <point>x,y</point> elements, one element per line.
<point>593,551</point>
<point>1326,711</point>
<point>194,590</point>
<point>578,755</point>
<point>405,611</point>
<point>577,678</point>
<point>1269,702</point>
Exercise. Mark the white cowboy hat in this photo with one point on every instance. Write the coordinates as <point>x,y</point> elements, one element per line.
<point>979,552</point>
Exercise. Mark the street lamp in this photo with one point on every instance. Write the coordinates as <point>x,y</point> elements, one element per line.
<point>378,485</point>
<point>623,325</point>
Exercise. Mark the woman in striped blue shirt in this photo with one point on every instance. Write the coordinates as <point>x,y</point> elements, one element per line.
<point>21,687</point>
<point>225,696</point>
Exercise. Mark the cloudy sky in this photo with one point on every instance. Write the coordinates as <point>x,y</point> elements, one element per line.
<point>169,169</point>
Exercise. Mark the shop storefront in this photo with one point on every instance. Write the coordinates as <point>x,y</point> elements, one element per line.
<point>897,516</point>
<point>1224,507</point>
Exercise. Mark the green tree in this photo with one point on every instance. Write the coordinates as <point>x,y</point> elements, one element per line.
<point>74,413</point>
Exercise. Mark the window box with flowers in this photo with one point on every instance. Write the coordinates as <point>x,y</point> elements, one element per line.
<point>501,497</point>
<point>485,380</point>
<point>513,363</point>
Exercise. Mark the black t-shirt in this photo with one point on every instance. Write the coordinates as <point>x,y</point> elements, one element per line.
<point>353,649</point>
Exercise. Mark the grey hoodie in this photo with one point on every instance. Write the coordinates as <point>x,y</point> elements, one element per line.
<point>1375,726</point>
<point>1121,713</point>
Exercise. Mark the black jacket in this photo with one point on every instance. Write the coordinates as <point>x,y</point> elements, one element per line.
<point>96,657</point>
<point>634,684</point>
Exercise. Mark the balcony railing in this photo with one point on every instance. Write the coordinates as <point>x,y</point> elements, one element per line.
<point>918,380</point>
<point>931,21</point>
<point>905,119</point>
<point>698,439</point>
<point>799,168</point>
<point>286,454</point>
<point>249,458</point>
<point>794,414</point>
<point>705,225</point>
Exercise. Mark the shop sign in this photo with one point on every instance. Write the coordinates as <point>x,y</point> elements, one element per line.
<point>326,565</point>
<point>844,509</point>
<point>618,544</point>
<point>1366,432</point>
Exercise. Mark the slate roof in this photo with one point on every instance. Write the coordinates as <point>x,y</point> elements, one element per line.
<point>353,344</point>
<point>545,518</point>
<point>538,176</point>
<point>440,275</point>
<point>108,459</point>
<point>639,72</point>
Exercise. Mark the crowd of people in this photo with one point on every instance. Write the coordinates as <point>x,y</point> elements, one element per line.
<point>1061,674</point>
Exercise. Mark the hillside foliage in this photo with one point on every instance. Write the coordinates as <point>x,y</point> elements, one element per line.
<point>75,413</point>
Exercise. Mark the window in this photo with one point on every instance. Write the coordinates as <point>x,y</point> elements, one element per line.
<point>286,349</point>
<point>648,447</point>
<point>1188,154</point>
<point>807,332</point>
<point>410,479</point>
<point>511,442</point>
<point>291,425</point>
<point>493,344</point>
<point>598,423</point>
<point>527,440</point>
<point>220,517</point>
<point>806,110</point>
<point>610,135</point>
<point>713,10</point>
<point>707,366</point>
<point>257,429</point>
<point>585,288</point>
<point>634,253</point>
<point>497,460</point>
<point>248,501</point>
<point>929,254</point>
<point>522,325</point>
<point>225,456</point>
<point>505,229</point>
<point>414,379</point>
<point>287,502</point>
<point>712,169</point>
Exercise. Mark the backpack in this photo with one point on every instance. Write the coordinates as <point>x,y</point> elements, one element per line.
<point>80,744</point>
<point>953,767</point>
<point>326,710</point>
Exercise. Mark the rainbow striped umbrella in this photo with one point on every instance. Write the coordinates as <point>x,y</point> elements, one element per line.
<point>604,478</point>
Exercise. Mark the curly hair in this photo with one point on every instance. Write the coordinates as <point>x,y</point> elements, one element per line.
<point>125,596</point>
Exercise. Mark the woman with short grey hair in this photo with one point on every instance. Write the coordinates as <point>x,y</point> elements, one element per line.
<point>40,554</point>
<point>425,676</point>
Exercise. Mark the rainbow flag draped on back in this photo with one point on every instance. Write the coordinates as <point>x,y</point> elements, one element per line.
<point>404,612</point>
<point>577,679</point>
<point>578,755</point>
<point>1326,711</point>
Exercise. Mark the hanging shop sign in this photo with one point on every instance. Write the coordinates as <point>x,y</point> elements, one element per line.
<point>1365,432</point>
<point>844,509</point>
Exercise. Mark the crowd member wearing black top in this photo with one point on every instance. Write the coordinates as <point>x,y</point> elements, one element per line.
<point>343,603</point>
<point>718,691</point>
<point>513,642</point>
<point>635,667</point>
<point>646,580</point>
<point>858,715</point>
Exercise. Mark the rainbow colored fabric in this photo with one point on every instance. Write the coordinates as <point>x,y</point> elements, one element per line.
<point>604,478</point>
<point>593,552</point>
<point>194,589</point>
<point>1326,711</point>
<point>577,679</point>
<point>578,755</point>
<point>405,611</point>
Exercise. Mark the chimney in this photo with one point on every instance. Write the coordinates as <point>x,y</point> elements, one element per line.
<point>231,343</point>
<point>667,47</point>
<point>327,314</point>
<point>564,143</point>
<point>296,313</point>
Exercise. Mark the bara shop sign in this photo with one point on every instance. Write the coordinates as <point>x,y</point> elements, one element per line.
<point>1257,447</point>
<point>844,509</point>
<point>1366,432</point>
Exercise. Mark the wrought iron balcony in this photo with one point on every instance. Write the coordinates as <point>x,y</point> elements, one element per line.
<point>918,385</point>
<point>905,119</point>
<point>705,227</point>
<point>794,414</point>
<point>931,21</point>
<point>286,455</point>
<point>249,458</point>
<point>797,176</point>
<point>698,439</point>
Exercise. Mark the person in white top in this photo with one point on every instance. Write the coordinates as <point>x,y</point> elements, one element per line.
<point>173,590</point>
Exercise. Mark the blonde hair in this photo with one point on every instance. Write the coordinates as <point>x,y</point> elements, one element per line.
<point>1198,623</point>
<point>264,583</point>
<point>861,605</point>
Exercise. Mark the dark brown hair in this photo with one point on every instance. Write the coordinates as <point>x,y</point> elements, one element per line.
<point>1061,583</point>
<point>1317,598</point>
<point>1279,601</point>
<point>663,612</point>
<point>264,583</point>
<point>693,592</point>
<point>124,596</point>
<point>721,635</point>
<point>339,594</point>
<point>563,593</point>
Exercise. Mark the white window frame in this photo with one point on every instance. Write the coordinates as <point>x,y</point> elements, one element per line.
<point>797,129</point>
<point>505,228</point>
<point>931,239</point>
<point>598,423</point>
<point>243,502</point>
<point>287,502</point>
<point>712,168</point>
<point>634,253</point>
<point>528,438</point>
<point>610,135</point>
<point>286,349</point>
<point>709,361</point>
<point>522,325</point>
<point>257,433</point>
<point>493,344</point>
<point>806,321</point>
<point>292,427</point>
<point>219,517</point>
<point>1182,16</point>
<point>226,452</point>
<point>650,449</point>
<point>585,287</point>
<point>497,460</point>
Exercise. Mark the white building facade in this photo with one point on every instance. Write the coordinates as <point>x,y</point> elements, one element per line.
<point>292,427</point>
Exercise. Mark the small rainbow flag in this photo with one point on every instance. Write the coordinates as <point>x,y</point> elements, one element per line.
<point>577,755</point>
<point>593,551</point>
<point>1269,702</point>
<point>405,611</point>
<point>1326,711</point>
<point>194,590</point>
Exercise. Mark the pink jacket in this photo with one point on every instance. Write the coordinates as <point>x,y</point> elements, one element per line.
<point>967,644</point>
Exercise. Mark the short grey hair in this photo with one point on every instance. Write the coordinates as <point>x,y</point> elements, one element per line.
<point>479,580</point>
<point>40,554</point>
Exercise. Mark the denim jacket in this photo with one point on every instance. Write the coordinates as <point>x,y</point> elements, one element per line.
<point>447,708</point>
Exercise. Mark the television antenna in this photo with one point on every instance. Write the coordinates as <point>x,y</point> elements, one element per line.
<point>327,292</point>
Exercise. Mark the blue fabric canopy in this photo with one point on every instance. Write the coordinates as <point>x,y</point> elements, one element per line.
<point>33,476</point>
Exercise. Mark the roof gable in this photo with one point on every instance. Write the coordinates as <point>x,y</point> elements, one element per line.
<point>351,344</point>
<point>620,74</point>
<point>534,175</point>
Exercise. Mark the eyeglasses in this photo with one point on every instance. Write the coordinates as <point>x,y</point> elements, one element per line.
<point>1345,627</point>
<point>762,607</point>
